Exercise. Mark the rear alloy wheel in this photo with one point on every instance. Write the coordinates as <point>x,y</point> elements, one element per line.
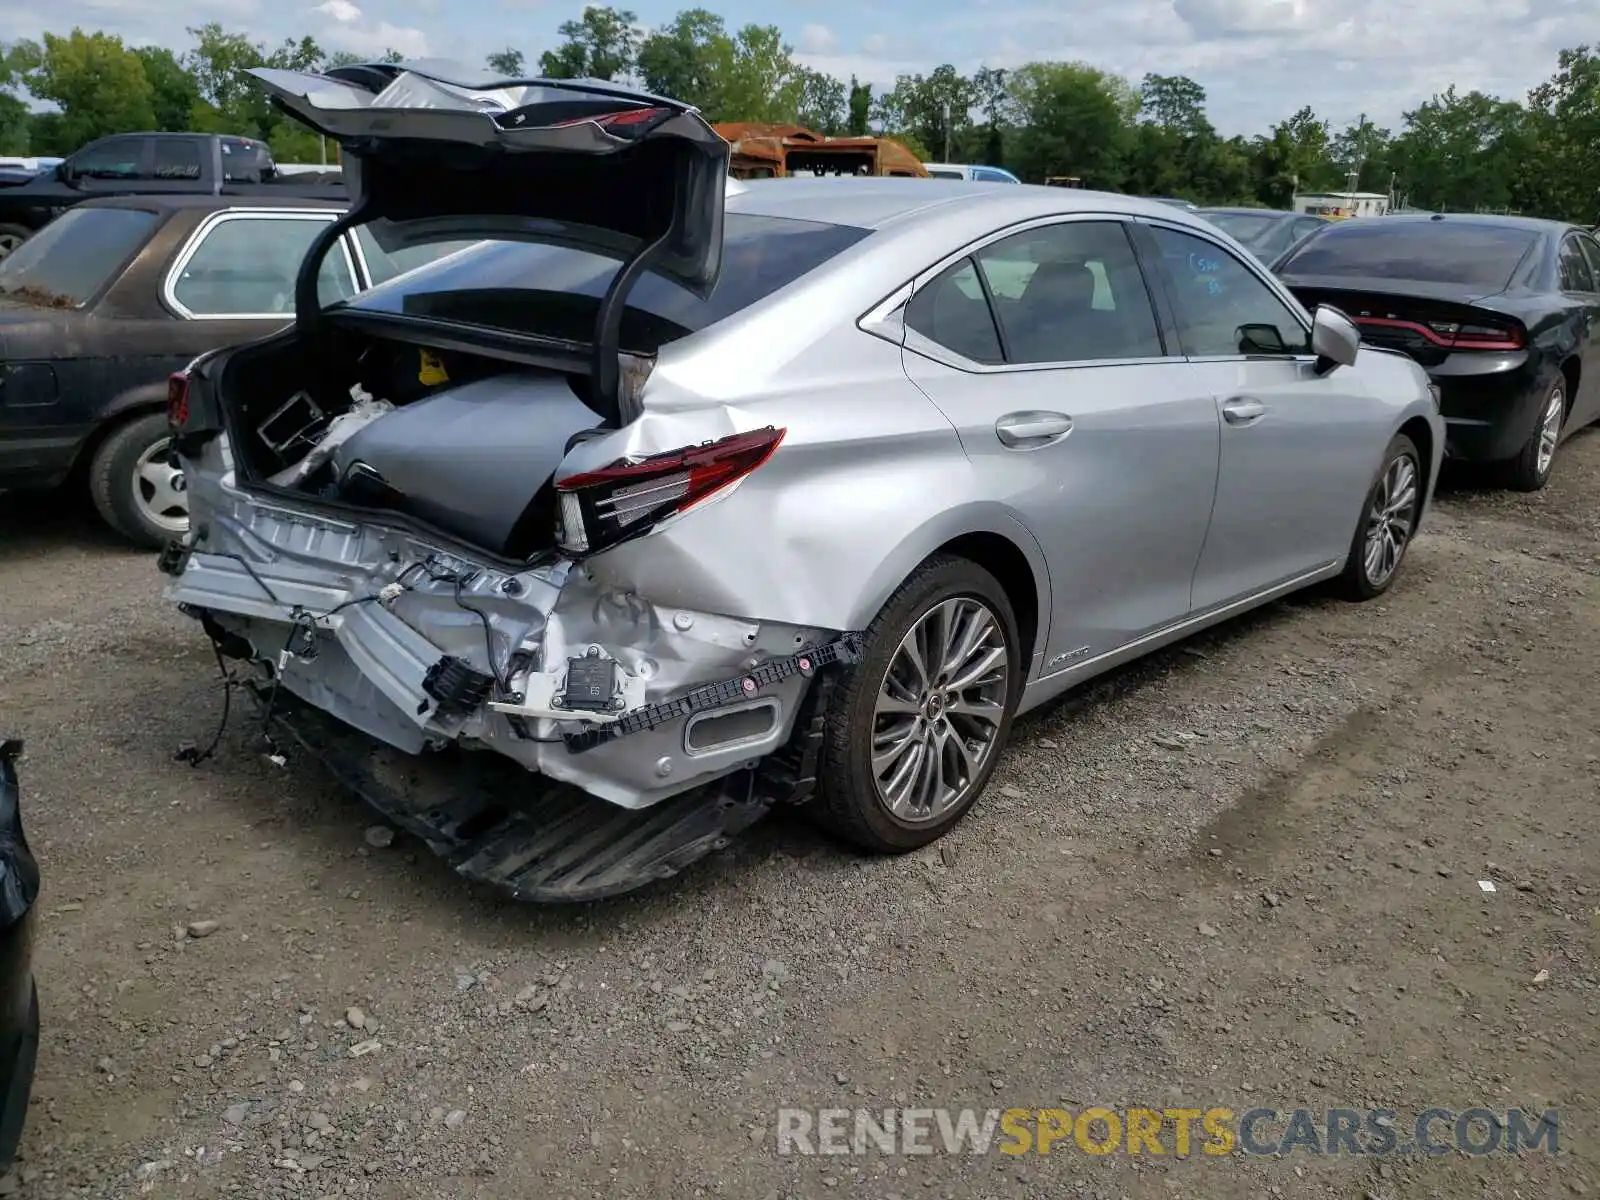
<point>1530,469</point>
<point>917,727</point>
<point>1387,524</point>
<point>136,490</point>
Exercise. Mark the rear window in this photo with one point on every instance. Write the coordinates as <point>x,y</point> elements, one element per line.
<point>1243,227</point>
<point>554,291</point>
<point>73,257</point>
<point>1466,253</point>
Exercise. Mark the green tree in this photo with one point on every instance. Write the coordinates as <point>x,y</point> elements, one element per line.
<point>1559,175</point>
<point>822,103</point>
<point>754,77</point>
<point>16,122</point>
<point>1460,152</point>
<point>860,103</point>
<point>507,63</point>
<point>935,108</point>
<point>675,61</point>
<point>600,44</point>
<point>173,90</point>
<point>98,83</point>
<point>1072,119</point>
<point>1362,149</point>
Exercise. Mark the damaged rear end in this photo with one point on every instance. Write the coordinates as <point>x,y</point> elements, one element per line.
<point>401,506</point>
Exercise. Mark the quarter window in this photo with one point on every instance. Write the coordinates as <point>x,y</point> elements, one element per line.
<point>1224,309</point>
<point>953,312</point>
<point>246,266</point>
<point>1070,293</point>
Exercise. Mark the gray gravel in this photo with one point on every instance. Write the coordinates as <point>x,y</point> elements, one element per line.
<point>1242,871</point>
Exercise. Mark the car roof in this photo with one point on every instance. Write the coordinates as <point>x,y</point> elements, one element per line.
<point>875,202</point>
<point>1482,220</point>
<point>176,202</point>
<point>1244,210</point>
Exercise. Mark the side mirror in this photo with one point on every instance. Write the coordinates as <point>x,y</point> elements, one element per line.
<point>1335,340</point>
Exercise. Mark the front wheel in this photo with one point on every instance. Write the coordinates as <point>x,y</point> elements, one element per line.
<point>917,726</point>
<point>1388,521</point>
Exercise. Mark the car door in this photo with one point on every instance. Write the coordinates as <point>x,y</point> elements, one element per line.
<point>1042,348</point>
<point>1298,449</point>
<point>1580,280</point>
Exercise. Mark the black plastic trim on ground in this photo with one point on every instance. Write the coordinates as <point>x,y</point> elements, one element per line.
<point>557,844</point>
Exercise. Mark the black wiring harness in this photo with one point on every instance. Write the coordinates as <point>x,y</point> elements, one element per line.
<point>303,625</point>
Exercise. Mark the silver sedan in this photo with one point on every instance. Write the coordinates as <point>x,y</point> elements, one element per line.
<point>800,490</point>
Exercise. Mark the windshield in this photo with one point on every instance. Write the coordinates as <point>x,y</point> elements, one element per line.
<point>1243,227</point>
<point>70,259</point>
<point>554,291</point>
<point>1466,253</point>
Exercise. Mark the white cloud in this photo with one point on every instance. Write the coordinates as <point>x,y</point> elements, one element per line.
<point>873,43</point>
<point>816,39</point>
<point>340,10</point>
<point>353,31</point>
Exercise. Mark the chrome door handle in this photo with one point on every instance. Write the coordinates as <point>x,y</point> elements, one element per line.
<point>1030,430</point>
<point>1242,412</point>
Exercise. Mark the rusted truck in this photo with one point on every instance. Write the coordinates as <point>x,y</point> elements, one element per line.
<point>770,151</point>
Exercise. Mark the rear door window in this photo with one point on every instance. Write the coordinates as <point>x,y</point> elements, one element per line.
<point>245,266</point>
<point>1070,293</point>
<point>176,159</point>
<point>1575,273</point>
<point>1591,254</point>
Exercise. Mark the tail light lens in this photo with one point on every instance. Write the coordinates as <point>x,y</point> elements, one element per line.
<point>177,400</point>
<point>1455,335</point>
<point>604,507</point>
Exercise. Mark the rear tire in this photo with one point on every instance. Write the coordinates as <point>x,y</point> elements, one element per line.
<point>135,492</point>
<point>1529,471</point>
<point>12,236</point>
<point>1388,521</point>
<point>910,748</point>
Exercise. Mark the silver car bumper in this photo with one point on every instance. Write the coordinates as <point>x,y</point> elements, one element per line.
<point>356,619</point>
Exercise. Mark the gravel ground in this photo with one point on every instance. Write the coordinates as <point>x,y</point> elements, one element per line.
<point>1242,872</point>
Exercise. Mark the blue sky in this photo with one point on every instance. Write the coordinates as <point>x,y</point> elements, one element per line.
<point>1259,60</point>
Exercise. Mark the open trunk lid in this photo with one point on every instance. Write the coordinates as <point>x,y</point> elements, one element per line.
<point>604,167</point>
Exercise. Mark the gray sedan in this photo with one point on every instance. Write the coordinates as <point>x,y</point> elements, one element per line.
<point>691,497</point>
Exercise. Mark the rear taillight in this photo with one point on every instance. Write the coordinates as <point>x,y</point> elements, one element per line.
<point>629,123</point>
<point>1454,335</point>
<point>177,400</point>
<point>601,508</point>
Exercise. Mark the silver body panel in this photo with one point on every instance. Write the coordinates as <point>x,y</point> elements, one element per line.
<point>1151,514</point>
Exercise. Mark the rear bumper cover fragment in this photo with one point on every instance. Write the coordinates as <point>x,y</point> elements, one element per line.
<point>847,650</point>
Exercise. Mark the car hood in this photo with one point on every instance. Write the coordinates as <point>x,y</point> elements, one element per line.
<point>594,165</point>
